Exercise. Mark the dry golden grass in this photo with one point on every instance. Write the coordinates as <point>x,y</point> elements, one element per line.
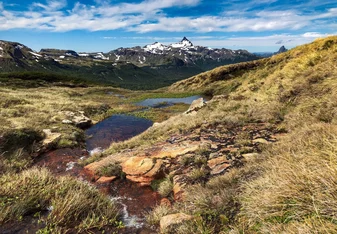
<point>72,204</point>
<point>291,187</point>
<point>298,184</point>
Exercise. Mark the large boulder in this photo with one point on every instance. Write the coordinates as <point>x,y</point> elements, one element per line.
<point>143,170</point>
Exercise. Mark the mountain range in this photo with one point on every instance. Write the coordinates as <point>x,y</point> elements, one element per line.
<point>147,67</point>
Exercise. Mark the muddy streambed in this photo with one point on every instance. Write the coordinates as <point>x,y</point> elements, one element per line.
<point>134,200</point>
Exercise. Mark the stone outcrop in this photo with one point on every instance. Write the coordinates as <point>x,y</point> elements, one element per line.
<point>214,148</point>
<point>218,165</point>
<point>142,169</point>
<point>51,138</point>
<point>78,119</point>
<point>196,105</point>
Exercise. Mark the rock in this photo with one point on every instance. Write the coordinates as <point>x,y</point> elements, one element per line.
<point>156,170</point>
<point>67,121</point>
<point>218,169</point>
<point>106,180</point>
<point>214,146</point>
<point>178,187</point>
<point>156,124</point>
<point>82,122</point>
<point>142,169</point>
<point>51,138</point>
<point>138,166</point>
<point>213,155</point>
<point>250,156</point>
<point>78,119</point>
<point>165,202</point>
<point>218,165</point>
<point>142,180</point>
<point>261,141</point>
<point>212,163</point>
<point>168,222</point>
<point>172,151</point>
<point>196,105</point>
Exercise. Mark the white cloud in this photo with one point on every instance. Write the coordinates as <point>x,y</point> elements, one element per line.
<point>52,5</point>
<point>313,35</point>
<point>148,16</point>
<point>272,41</point>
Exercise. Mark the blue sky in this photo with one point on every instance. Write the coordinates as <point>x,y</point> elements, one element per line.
<point>103,25</point>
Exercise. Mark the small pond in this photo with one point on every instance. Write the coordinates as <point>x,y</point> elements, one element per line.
<point>162,102</point>
<point>113,129</point>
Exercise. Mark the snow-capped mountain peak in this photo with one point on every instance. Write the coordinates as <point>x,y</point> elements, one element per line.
<point>183,43</point>
<point>155,46</point>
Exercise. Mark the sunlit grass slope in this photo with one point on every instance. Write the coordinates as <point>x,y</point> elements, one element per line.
<point>291,186</point>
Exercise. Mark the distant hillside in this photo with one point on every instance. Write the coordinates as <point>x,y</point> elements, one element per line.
<point>301,64</point>
<point>147,67</point>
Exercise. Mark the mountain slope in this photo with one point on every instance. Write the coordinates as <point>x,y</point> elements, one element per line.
<point>146,67</point>
<point>183,53</point>
<point>288,184</point>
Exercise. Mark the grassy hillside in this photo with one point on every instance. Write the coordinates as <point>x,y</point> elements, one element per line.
<point>291,186</point>
<point>286,187</point>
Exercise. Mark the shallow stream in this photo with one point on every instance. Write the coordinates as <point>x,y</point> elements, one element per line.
<point>135,201</point>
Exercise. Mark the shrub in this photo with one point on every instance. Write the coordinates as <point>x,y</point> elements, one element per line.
<point>153,217</point>
<point>165,187</point>
<point>112,169</point>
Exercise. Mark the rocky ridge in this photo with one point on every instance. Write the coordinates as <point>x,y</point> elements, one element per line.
<point>182,53</point>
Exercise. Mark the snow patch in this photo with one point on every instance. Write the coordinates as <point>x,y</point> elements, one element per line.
<point>101,56</point>
<point>35,54</point>
<point>83,55</point>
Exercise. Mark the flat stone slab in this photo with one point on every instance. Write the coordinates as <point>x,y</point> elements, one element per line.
<point>219,169</point>
<point>106,180</point>
<point>212,163</point>
<point>138,165</point>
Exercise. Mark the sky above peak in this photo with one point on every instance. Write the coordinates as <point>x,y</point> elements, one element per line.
<point>103,25</point>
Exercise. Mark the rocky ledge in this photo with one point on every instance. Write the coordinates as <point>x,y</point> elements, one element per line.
<point>192,157</point>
